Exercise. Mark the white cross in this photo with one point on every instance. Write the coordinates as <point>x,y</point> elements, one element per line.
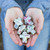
<point>28,20</point>
<point>24,37</point>
<point>18,22</point>
<point>15,26</point>
<point>21,28</point>
<point>30,28</point>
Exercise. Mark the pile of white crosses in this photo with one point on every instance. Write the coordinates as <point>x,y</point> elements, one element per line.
<point>24,28</point>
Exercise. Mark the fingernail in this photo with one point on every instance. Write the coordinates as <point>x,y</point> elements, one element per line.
<point>20,44</point>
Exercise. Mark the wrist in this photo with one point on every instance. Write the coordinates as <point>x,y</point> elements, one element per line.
<point>15,9</point>
<point>34,9</point>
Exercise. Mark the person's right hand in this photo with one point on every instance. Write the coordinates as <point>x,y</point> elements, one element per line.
<point>11,14</point>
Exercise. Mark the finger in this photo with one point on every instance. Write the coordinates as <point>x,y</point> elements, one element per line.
<point>12,34</point>
<point>20,14</point>
<point>14,38</point>
<point>9,27</point>
<point>29,43</point>
<point>20,42</point>
<point>34,38</point>
<point>28,13</point>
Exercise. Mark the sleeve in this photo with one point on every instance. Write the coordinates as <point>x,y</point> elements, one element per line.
<point>41,4</point>
<point>5,4</point>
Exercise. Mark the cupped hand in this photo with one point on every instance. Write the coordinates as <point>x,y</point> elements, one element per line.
<point>11,14</point>
<point>38,20</point>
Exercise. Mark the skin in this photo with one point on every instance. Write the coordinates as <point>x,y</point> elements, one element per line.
<point>15,12</point>
<point>11,14</point>
<point>38,20</point>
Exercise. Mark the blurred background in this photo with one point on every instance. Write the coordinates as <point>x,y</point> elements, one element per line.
<point>1,42</point>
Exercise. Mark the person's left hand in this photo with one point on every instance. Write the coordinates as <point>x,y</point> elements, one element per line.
<point>38,19</point>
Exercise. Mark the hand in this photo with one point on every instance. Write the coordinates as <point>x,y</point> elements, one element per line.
<point>38,19</point>
<point>11,14</point>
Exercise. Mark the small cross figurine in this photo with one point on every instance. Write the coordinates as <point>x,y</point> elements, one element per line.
<point>21,28</point>
<point>18,22</point>
<point>30,28</point>
<point>24,37</point>
<point>28,20</point>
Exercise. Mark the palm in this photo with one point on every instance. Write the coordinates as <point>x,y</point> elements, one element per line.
<point>38,19</point>
<point>11,14</point>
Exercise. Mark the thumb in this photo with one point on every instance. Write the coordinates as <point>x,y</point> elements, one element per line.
<point>9,25</point>
<point>40,25</point>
